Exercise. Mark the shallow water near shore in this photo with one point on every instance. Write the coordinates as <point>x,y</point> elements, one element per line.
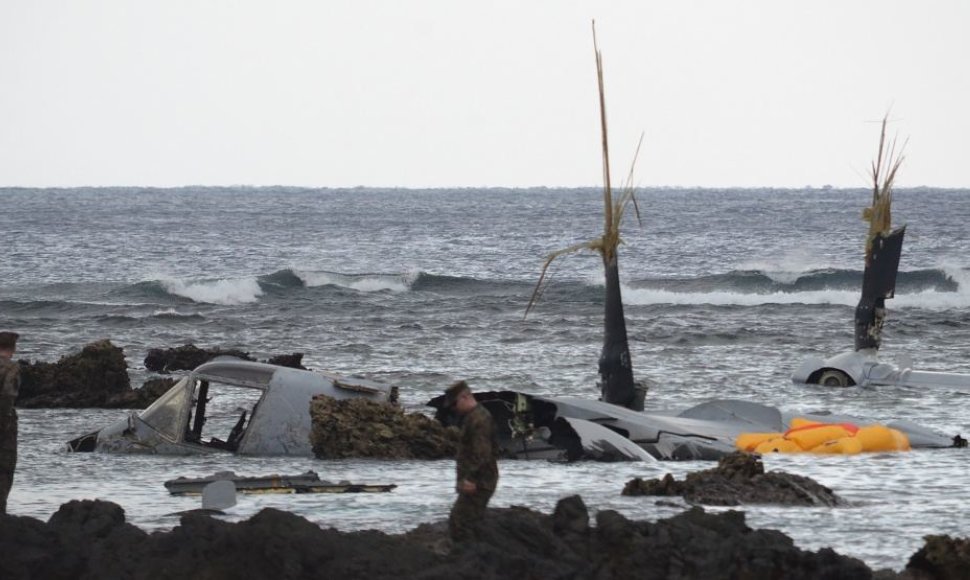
<point>895,499</point>
<point>725,293</point>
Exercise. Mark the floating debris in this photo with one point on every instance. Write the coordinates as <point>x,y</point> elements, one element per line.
<point>308,482</point>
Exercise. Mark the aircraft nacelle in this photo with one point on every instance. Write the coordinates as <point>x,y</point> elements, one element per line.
<point>864,369</point>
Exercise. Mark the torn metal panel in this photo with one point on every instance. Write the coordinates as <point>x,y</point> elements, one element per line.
<point>308,482</point>
<point>230,405</point>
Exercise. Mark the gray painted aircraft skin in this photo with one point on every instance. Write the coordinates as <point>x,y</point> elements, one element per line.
<point>277,424</point>
<point>573,428</point>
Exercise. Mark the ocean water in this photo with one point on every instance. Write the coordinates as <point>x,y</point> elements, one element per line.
<point>726,291</point>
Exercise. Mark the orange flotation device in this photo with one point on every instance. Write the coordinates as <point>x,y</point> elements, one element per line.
<point>805,435</point>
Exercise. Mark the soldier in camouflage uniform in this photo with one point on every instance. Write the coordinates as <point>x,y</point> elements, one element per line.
<point>9,387</point>
<point>477,468</point>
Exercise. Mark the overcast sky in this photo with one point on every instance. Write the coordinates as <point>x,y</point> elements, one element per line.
<point>439,93</point>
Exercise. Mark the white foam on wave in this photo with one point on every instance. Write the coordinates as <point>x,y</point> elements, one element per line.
<point>227,292</point>
<point>646,296</point>
<point>788,267</point>
<point>171,313</point>
<point>935,300</point>
<point>928,299</point>
<point>374,283</point>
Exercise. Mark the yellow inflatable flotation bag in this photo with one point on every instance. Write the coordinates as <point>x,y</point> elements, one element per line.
<point>828,438</point>
<point>842,446</point>
<point>881,438</point>
<point>779,445</point>
<point>748,441</point>
<point>811,435</point>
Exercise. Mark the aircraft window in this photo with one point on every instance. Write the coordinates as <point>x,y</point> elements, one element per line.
<point>220,414</point>
<point>163,415</point>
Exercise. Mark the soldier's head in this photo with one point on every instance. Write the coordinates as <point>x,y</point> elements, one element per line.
<point>8,343</point>
<point>459,398</point>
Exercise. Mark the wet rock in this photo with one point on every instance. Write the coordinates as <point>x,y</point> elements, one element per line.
<point>95,377</point>
<point>293,361</point>
<point>98,376</point>
<point>570,521</point>
<point>81,537</point>
<point>738,479</point>
<point>186,357</point>
<point>696,544</point>
<point>363,428</point>
<point>940,558</point>
<point>149,391</point>
<point>91,540</point>
<point>189,356</point>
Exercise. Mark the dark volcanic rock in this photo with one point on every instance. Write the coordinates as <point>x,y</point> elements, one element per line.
<point>189,356</point>
<point>940,558</point>
<point>294,361</point>
<point>95,377</point>
<point>98,376</point>
<point>91,540</point>
<point>739,478</point>
<point>186,358</point>
<point>151,390</point>
<point>363,428</point>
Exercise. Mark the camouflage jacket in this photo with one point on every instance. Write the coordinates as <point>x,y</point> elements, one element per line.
<point>9,383</point>
<point>478,449</point>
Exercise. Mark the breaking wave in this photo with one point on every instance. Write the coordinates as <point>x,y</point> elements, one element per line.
<point>931,288</point>
<point>416,281</point>
<point>827,279</point>
<point>226,292</point>
<point>359,282</point>
<point>927,288</point>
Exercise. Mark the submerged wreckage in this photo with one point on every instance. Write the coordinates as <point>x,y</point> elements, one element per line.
<point>228,404</point>
<point>884,245</point>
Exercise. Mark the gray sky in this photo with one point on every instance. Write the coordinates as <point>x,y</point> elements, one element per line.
<point>444,93</point>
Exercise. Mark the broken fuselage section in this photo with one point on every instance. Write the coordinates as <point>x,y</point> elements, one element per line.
<point>575,428</point>
<point>231,405</point>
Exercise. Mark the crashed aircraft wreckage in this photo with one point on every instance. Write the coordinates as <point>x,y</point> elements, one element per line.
<point>573,428</point>
<point>616,427</point>
<point>884,247</point>
<point>228,404</point>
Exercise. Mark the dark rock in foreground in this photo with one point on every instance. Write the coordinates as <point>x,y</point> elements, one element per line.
<point>95,377</point>
<point>942,557</point>
<point>738,479</point>
<point>90,539</point>
<point>364,428</point>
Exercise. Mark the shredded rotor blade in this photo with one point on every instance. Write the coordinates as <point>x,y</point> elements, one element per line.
<point>537,292</point>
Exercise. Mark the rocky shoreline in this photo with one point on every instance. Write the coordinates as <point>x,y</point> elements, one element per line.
<point>97,376</point>
<point>739,479</point>
<point>91,539</point>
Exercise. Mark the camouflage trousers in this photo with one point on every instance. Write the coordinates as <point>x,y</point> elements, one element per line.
<point>467,515</point>
<point>8,455</point>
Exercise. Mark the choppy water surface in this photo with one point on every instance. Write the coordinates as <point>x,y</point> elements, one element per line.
<point>725,292</point>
